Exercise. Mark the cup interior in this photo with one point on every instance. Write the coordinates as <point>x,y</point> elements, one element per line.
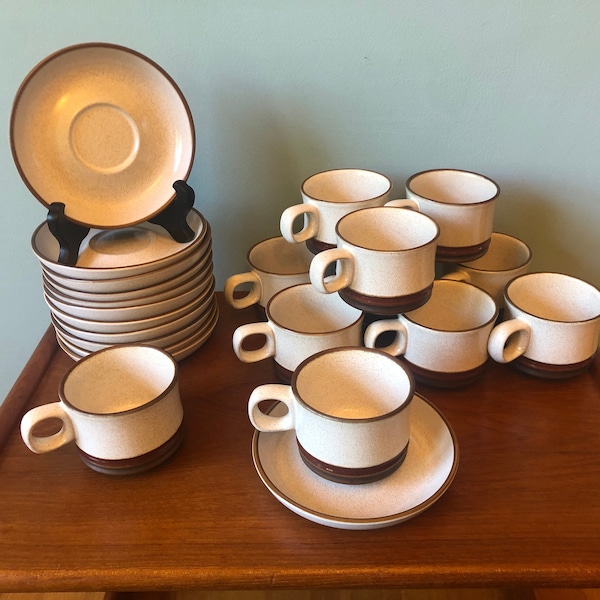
<point>554,297</point>
<point>118,379</point>
<point>278,256</point>
<point>346,185</point>
<point>455,306</point>
<point>452,186</point>
<point>303,309</point>
<point>353,384</point>
<point>387,229</point>
<point>503,254</point>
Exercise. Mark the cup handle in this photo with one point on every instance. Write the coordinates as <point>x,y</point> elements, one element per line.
<point>41,445</point>
<point>404,203</point>
<point>244,331</point>
<point>376,328</point>
<point>509,340</point>
<point>289,216</point>
<point>328,284</point>
<point>457,276</point>
<point>252,297</point>
<point>268,423</point>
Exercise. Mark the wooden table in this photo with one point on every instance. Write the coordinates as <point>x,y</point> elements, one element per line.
<point>523,510</point>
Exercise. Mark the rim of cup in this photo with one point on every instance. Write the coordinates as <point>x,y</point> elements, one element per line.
<point>353,349</point>
<point>85,363</point>
<point>410,183</point>
<point>473,289</point>
<point>408,214</point>
<point>296,248</point>
<point>370,172</point>
<point>320,297</point>
<point>590,288</point>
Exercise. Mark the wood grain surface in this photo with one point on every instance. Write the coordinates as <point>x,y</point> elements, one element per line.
<point>522,512</point>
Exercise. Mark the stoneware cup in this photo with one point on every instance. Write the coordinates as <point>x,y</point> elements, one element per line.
<point>444,342</point>
<point>275,264</point>
<point>505,258</point>
<point>300,322</point>
<point>385,260</point>
<point>326,198</point>
<point>120,406</point>
<point>462,203</point>
<point>349,408</point>
<point>551,325</point>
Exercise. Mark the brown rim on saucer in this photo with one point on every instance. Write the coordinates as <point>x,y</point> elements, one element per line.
<point>352,476</point>
<point>386,306</point>
<point>136,464</point>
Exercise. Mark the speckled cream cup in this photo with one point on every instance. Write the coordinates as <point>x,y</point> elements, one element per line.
<point>444,342</point>
<point>326,198</point>
<point>462,203</point>
<point>300,322</point>
<point>506,257</point>
<point>350,409</point>
<point>385,260</point>
<point>120,405</point>
<point>275,264</point>
<point>551,325</point>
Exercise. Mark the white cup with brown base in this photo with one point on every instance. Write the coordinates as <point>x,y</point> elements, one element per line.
<point>384,259</point>
<point>275,264</point>
<point>551,325</point>
<point>506,257</point>
<point>462,203</point>
<point>350,410</point>
<point>300,322</point>
<point>444,342</point>
<point>121,407</point>
<point>326,198</point>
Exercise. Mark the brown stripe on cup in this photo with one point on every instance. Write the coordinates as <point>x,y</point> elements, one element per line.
<point>136,464</point>
<point>461,253</point>
<point>352,476</point>
<point>548,371</point>
<point>445,379</point>
<point>386,306</point>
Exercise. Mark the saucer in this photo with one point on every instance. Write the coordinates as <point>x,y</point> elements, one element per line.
<point>427,472</point>
<point>104,130</point>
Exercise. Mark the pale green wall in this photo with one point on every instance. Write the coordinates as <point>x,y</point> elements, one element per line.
<point>282,89</point>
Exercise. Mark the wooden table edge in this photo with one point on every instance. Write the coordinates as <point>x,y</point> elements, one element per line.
<point>13,407</point>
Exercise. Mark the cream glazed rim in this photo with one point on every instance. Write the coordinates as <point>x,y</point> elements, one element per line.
<point>426,474</point>
<point>104,130</point>
<point>464,172</point>
<point>123,252</point>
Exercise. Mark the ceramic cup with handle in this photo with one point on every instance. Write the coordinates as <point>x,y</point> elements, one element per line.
<point>121,407</point>
<point>505,258</point>
<point>350,410</point>
<point>275,264</point>
<point>444,342</point>
<point>551,325</point>
<point>326,198</point>
<point>462,203</point>
<point>385,260</point>
<point>300,322</point>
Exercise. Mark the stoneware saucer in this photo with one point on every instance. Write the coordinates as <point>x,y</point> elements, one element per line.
<point>427,472</point>
<point>104,130</point>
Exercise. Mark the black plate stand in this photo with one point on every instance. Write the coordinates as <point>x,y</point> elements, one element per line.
<point>173,218</point>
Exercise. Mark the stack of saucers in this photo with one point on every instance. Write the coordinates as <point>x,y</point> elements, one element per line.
<point>131,285</point>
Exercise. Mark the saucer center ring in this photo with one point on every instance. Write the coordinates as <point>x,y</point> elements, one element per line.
<point>104,138</point>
